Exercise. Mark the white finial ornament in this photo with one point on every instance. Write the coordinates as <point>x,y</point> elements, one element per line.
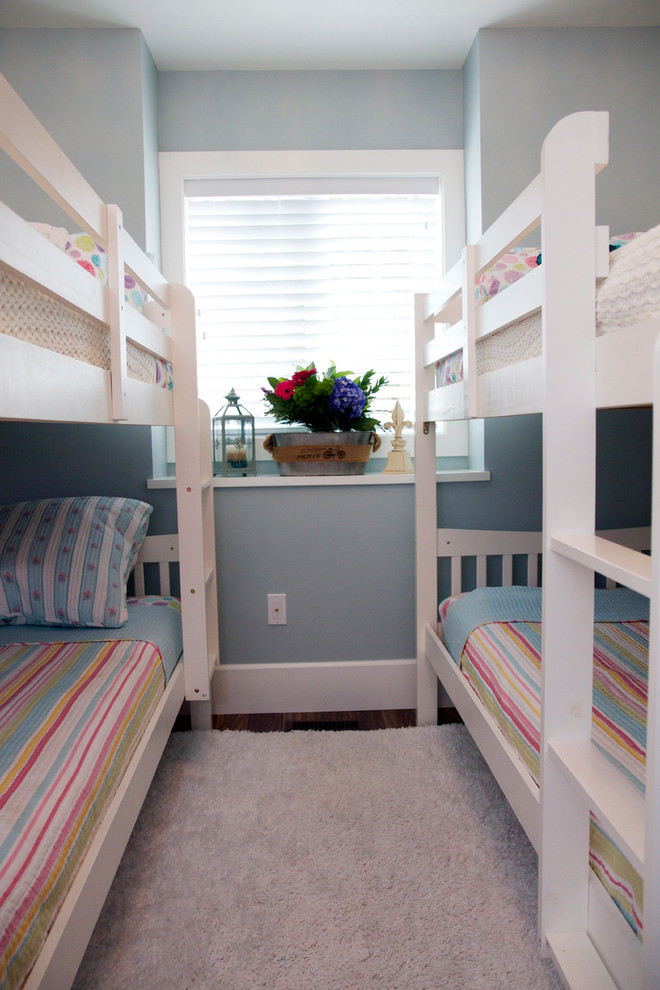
<point>398,459</point>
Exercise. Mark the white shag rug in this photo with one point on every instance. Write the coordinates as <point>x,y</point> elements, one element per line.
<point>322,861</point>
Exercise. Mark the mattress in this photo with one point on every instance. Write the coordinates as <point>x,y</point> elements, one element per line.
<point>629,295</point>
<point>494,634</point>
<point>71,717</point>
<point>30,314</point>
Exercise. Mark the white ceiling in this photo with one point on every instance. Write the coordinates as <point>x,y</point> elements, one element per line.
<point>319,34</point>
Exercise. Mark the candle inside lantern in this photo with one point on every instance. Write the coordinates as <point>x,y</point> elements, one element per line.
<point>236,457</point>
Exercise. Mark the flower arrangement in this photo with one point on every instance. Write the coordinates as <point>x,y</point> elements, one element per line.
<point>324,402</point>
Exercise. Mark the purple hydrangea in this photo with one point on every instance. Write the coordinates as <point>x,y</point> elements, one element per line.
<point>347,397</point>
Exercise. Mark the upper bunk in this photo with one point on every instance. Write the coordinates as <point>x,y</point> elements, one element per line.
<point>483,351</point>
<point>90,331</point>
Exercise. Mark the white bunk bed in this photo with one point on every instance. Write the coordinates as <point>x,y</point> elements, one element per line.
<point>39,383</point>
<point>590,943</point>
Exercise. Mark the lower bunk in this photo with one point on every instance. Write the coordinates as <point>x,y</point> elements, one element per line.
<point>85,713</point>
<point>486,652</point>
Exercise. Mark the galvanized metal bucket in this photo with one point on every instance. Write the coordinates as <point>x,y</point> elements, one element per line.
<point>299,454</point>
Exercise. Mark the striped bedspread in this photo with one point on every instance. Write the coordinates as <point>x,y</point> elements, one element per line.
<point>501,659</point>
<point>71,716</point>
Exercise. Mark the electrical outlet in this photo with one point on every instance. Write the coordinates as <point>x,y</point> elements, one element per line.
<point>276,610</point>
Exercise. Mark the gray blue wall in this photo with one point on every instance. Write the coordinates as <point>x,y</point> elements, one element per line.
<point>343,557</point>
<point>531,77</point>
<point>95,90</point>
<point>255,111</point>
<point>43,460</point>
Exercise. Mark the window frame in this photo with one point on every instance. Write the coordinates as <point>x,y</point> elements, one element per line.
<point>176,167</point>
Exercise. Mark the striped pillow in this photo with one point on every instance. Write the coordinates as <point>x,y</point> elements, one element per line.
<point>65,561</point>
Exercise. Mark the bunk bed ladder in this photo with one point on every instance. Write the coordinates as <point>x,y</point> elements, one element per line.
<point>194,489</point>
<point>575,777</point>
<point>425,517</point>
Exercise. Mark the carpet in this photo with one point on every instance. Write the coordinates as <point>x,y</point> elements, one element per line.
<point>322,861</point>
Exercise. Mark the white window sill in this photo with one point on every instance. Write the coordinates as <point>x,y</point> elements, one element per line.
<point>275,481</point>
<point>463,476</point>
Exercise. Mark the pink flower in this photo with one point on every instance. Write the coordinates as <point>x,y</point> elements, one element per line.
<point>62,577</point>
<point>284,390</point>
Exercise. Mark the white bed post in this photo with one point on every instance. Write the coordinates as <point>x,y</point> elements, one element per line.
<point>118,367</point>
<point>425,523</point>
<point>568,246</point>
<point>192,442</point>
<point>651,951</point>
<point>470,378</point>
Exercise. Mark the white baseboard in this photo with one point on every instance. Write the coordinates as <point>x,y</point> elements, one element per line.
<point>361,685</point>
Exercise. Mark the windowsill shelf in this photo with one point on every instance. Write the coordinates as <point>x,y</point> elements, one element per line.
<point>310,481</point>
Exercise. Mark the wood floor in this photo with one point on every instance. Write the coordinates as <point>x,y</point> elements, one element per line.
<point>336,721</point>
<point>285,722</point>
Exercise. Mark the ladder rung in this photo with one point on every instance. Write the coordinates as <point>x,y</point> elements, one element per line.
<point>613,797</point>
<point>628,567</point>
<point>578,961</point>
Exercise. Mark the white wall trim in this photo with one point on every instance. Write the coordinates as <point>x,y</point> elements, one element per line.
<point>361,685</point>
<point>177,166</point>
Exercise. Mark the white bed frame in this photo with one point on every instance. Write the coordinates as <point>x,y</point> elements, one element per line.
<point>577,927</point>
<point>65,946</point>
<point>40,385</point>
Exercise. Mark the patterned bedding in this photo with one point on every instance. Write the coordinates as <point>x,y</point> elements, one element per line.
<point>630,294</point>
<point>500,656</point>
<point>32,315</point>
<point>71,717</point>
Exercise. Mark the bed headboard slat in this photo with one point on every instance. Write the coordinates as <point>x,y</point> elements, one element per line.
<point>164,577</point>
<point>482,565</point>
<point>456,576</point>
<point>138,575</point>
<point>533,570</point>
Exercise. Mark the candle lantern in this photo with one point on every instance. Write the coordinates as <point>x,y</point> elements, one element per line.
<point>233,440</point>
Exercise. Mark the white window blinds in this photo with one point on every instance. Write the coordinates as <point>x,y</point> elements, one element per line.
<point>287,279</point>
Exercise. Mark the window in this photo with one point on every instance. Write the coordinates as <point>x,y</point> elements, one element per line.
<point>322,274</point>
<point>185,176</point>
